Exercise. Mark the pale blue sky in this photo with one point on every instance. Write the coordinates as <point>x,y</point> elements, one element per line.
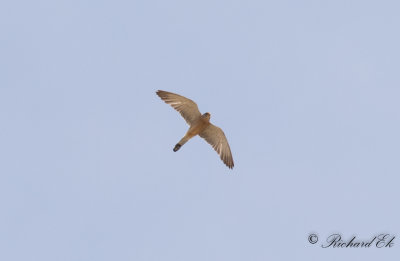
<point>307,93</point>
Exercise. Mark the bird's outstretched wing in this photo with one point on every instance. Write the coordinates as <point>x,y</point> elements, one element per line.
<point>216,138</point>
<point>186,107</point>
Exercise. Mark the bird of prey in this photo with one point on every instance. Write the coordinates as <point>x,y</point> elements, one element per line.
<point>199,125</point>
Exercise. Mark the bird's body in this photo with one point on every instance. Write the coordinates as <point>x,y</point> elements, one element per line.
<point>199,125</point>
<point>196,128</point>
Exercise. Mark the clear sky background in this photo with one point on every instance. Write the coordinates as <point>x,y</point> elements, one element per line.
<point>307,93</point>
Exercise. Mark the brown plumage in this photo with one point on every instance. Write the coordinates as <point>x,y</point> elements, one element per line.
<point>199,125</point>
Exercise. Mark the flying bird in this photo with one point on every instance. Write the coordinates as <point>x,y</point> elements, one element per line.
<point>199,125</point>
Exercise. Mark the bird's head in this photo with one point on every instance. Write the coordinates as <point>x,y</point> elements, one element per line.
<point>206,115</point>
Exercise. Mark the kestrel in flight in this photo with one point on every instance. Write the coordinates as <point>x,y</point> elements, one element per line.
<point>199,125</point>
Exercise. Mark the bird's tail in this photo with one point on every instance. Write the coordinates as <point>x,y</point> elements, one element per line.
<point>180,143</point>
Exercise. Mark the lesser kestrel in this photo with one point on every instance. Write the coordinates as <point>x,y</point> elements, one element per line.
<point>199,125</point>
